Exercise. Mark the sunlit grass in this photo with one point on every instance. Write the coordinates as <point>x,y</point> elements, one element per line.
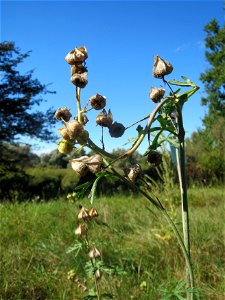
<point>137,244</point>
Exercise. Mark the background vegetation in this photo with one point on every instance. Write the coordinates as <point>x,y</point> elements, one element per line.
<point>140,254</point>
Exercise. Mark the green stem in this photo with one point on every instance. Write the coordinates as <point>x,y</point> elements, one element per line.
<point>159,206</point>
<point>79,111</point>
<point>183,188</point>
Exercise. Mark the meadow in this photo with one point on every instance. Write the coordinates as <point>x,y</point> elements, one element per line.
<point>140,256</point>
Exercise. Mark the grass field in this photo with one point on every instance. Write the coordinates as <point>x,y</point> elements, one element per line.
<point>141,257</point>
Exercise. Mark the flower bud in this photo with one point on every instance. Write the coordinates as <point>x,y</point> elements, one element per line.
<point>134,172</point>
<point>154,158</point>
<point>93,213</point>
<point>161,67</point>
<point>156,94</point>
<point>80,80</point>
<point>116,130</point>
<point>65,147</point>
<point>98,102</point>
<point>81,230</point>
<point>64,133</point>
<point>63,113</point>
<point>104,119</point>
<point>76,55</point>
<point>78,68</point>
<point>83,137</point>
<point>83,214</point>
<point>94,253</point>
<point>74,128</point>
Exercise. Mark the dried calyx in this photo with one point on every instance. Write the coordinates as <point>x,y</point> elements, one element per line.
<point>104,119</point>
<point>94,253</point>
<point>80,80</point>
<point>154,158</point>
<point>85,163</point>
<point>156,94</point>
<point>98,101</point>
<point>116,130</point>
<point>63,114</point>
<point>161,67</point>
<point>74,129</point>
<point>134,172</point>
<point>81,230</point>
<point>78,68</point>
<point>84,119</point>
<point>76,58</point>
<point>76,55</point>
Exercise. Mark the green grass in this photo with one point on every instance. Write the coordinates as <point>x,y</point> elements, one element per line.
<point>139,247</point>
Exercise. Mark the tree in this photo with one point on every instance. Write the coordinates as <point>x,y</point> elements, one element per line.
<point>214,77</point>
<point>205,148</point>
<point>18,98</point>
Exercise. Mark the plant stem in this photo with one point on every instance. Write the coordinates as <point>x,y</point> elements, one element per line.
<point>181,168</point>
<point>79,111</point>
<point>159,206</point>
<point>183,188</point>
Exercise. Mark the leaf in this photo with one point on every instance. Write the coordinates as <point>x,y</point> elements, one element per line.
<point>76,247</point>
<point>95,184</point>
<point>93,189</point>
<point>162,121</point>
<point>81,189</point>
<point>186,82</point>
<point>172,140</point>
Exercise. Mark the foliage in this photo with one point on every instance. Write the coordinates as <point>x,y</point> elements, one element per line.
<point>34,262</point>
<point>214,77</point>
<point>205,148</point>
<point>17,185</point>
<point>205,152</point>
<point>20,155</point>
<point>19,95</point>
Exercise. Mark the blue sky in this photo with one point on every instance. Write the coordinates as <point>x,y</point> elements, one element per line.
<point>122,38</point>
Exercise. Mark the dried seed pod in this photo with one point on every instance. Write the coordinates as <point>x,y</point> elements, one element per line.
<point>93,213</point>
<point>84,163</point>
<point>78,68</point>
<point>74,128</point>
<point>98,274</point>
<point>83,214</point>
<point>161,67</point>
<point>76,55</point>
<point>94,253</point>
<point>116,130</point>
<point>98,101</point>
<point>63,113</point>
<point>156,94</point>
<point>83,137</point>
<point>84,119</point>
<point>80,80</point>
<point>154,158</point>
<point>79,165</point>
<point>65,147</point>
<point>104,119</point>
<point>94,163</point>
<point>134,172</point>
<point>64,133</point>
<point>81,230</point>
